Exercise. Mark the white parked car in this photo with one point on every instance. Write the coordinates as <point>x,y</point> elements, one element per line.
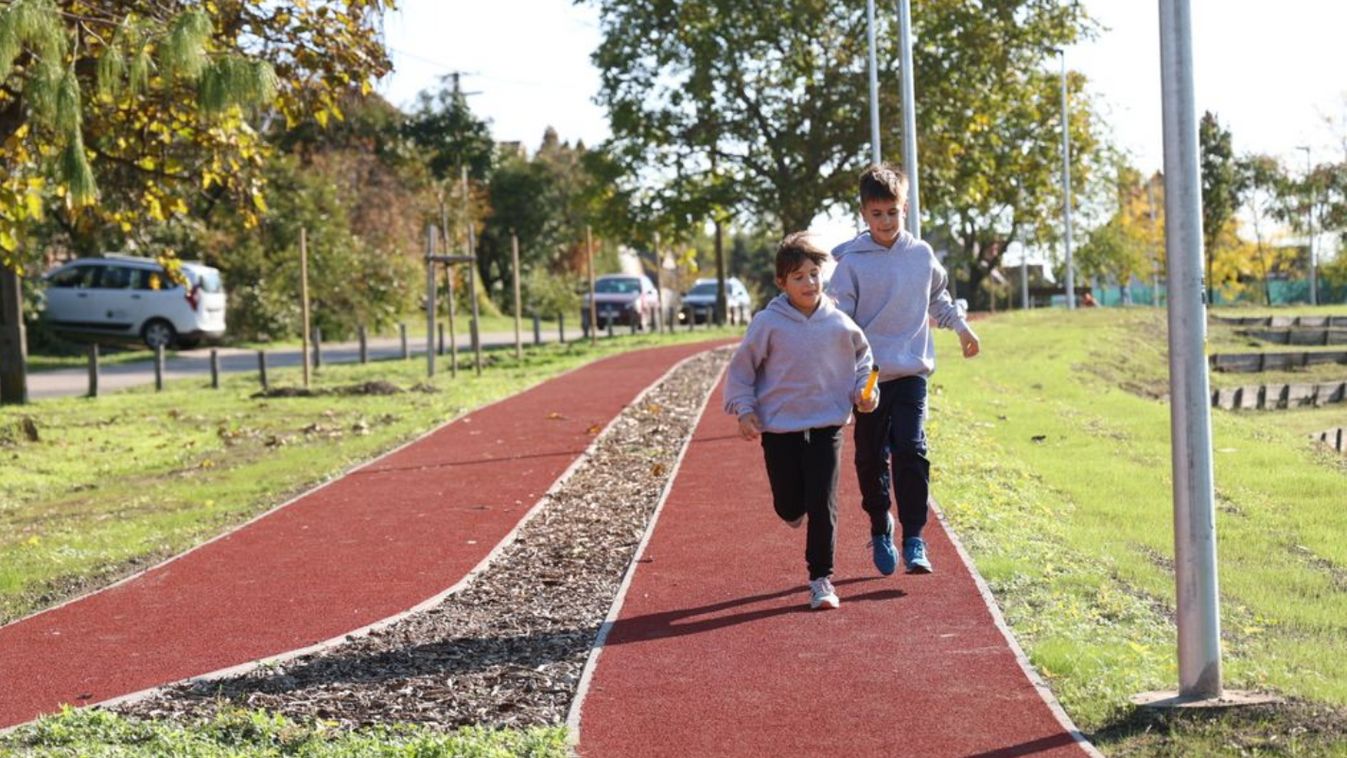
<point>132,298</point>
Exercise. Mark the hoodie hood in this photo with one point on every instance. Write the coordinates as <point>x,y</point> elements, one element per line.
<point>864,243</point>
<point>781,305</point>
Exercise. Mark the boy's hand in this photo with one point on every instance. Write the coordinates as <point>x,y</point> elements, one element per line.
<point>749,426</point>
<point>868,406</point>
<point>970,344</point>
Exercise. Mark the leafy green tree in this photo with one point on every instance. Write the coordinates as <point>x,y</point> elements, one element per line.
<point>443,125</point>
<point>1129,243</point>
<point>778,97</point>
<point>1264,181</point>
<point>115,114</point>
<point>1221,188</point>
<point>546,200</point>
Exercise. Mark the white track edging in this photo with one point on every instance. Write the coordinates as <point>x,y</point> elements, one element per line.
<point>500,546</point>
<point>582,688</point>
<point>1044,691</point>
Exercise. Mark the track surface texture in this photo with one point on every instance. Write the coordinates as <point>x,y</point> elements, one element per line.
<point>369,545</point>
<point>715,651</point>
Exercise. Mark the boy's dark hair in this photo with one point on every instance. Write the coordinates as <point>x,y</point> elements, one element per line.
<point>794,250</point>
<point>883,181</point>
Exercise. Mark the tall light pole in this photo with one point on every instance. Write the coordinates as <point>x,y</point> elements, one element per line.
<point>875,152</point>
<point>1066,189</point>
<point>1024,278</point>
<point>909,118</point>
<point>1190,399</point>
<point>1309,222</point>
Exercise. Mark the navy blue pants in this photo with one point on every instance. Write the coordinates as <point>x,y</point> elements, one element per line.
<point>802,469</point>
<point>891,453</point>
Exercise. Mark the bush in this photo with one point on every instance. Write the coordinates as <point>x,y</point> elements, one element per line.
<point>548,294</point>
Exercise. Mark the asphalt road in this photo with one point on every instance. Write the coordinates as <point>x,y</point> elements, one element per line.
<point>196,363</point>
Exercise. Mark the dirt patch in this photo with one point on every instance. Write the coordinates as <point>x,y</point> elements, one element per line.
<point>379,387</point>
<point>1291,729</point>
<point>508,649</point>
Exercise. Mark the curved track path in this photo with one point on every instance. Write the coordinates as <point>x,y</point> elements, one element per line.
<point>366,546</point>
<point>715,652</point>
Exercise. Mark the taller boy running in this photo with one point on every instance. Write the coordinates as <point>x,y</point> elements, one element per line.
<point>891,284</point>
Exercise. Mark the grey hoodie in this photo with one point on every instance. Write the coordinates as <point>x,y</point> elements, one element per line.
<point>798,372</point>
<point>890,292</point>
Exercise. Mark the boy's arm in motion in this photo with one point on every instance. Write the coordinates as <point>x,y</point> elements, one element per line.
<point>947,315</point>
<point>741,398</point>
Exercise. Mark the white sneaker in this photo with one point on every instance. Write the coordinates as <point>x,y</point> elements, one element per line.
<point>822,594</point>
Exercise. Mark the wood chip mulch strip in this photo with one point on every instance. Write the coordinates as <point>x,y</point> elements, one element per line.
<point>509,648</point>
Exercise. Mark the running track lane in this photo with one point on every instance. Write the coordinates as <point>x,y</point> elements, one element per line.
<point>715,651</point>
<point>367,546</point>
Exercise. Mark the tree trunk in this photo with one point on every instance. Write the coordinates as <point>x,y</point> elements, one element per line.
<point>13,347</point>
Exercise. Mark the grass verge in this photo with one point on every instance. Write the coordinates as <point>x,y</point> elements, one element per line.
<point>1053,463</point>
<point>250,733</point>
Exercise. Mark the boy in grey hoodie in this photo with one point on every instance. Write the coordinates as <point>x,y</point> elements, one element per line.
<point>793,381</point>
<point>892,285</point>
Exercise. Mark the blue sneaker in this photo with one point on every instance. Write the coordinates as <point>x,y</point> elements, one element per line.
<point>886,558</point>
<point>914,556</point>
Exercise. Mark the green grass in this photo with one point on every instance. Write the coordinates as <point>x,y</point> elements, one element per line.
<point>234,733</point>
<point>1053,463</point>
<point>121,481</point>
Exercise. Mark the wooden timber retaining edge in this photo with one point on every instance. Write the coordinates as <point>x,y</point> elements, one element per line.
<point>1244,363</point>
<point>1334,438</point>
<point>1278,396</point>
<point>1282,322</point>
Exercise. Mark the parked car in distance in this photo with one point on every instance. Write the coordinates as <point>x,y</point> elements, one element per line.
<point>129,298</point>
<point>624,299</point>
<point>699,303</point>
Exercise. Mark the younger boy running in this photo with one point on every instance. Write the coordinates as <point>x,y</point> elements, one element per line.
<point>794,379</point>
<point>892,285</point>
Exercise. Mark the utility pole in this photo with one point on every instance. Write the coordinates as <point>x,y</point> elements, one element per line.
<point>875,152</point>
<point>659,286</point>
<point>514,264</point>
<point>1309,223</point>
<point>1024,278</point>
<point>431,307</point>
<point>1066,189</point>
<point>909,119</point>
<point>304,296</point>
<point>1155,254</point>
<point>593,308</point>
<point>472,274</point>
<point>1199,624</point>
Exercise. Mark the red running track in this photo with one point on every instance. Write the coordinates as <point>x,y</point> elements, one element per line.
<point>715,651</point>
<point>367,546</point>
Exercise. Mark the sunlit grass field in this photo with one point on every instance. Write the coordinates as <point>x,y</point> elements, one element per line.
<point>1053,463</point>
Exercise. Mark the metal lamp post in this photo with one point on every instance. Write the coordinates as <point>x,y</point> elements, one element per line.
<point>1066,190</point>
<point>875,153</point>
<point>1309,223</point>
<point>1190,400</point>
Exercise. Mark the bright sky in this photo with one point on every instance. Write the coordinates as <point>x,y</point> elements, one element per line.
<point>1267,70</point>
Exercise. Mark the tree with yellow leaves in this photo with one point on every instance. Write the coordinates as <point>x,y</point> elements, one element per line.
<point>118,112</point>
